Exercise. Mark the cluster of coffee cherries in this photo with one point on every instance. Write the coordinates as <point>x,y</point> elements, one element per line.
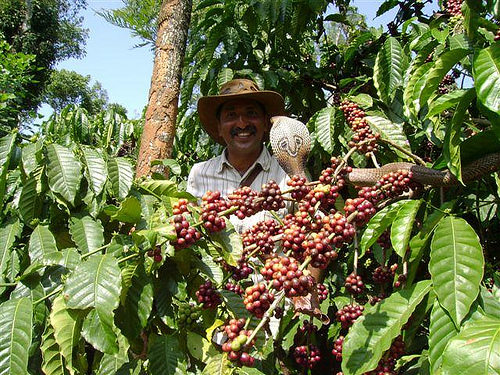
<point>348,314</point>
<point>497,36</point>
<point>245,199</point>
<point>307,356</point>
<point>387,363</point>
<point>384,240</point>
<point>364,209</point>
<point>391,185</point>
<point>272,200</point>
<point>384,274</point>
<point>337,348</point>
<point>446,83</point>
<point>319,248</point>
<point>155,254</point>
<point>363,139</point>
<point>454,7</point>
<point>186,234</point>
<point>322,292</point>
<point>239,272</point>
<point>235,288</point>
<point>237,337</point>
<point>286,275</point>
<point>261,236</point>
<point>354,284</point>
<point>299,186</point>
<point>258,299</point>
<point>208,296</point>
<point>181,206</point>
<point>188,314</point>
<point>212,205</point>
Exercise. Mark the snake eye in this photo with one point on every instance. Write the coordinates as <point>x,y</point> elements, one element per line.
<point>283,144</point>
<point>298,141</point>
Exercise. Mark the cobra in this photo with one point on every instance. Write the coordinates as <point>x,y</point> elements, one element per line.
<point>291,144</point>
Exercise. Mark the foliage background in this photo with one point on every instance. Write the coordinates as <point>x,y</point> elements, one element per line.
<point>78,287</point>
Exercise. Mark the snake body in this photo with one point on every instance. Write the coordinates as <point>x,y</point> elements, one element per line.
<point>291,143</point>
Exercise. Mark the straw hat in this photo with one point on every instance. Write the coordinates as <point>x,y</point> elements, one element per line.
<point>237,88</point>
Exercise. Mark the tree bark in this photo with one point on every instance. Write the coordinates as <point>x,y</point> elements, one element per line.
<point>161,114</point>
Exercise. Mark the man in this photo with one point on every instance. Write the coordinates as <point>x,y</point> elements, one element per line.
<point>238,118</point>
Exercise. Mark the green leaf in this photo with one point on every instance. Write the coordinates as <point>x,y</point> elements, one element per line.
<point>15,335</point>
<point>97,173</point>
<point>456,266</point>
<point>210,268</point>
<point>402,226</point>
<point>159,187</point>
<point>7,146</point>
<point>451,147</point>
<point>389,69</point>
<point>165,356</point>
<point>479,145</point>
<point>110,364</point>
<point>99,333</point>
<point>66,324</point>
<point>324,122</point>
<point>364,100</point>
<point>445,102</point>
<point>441,330</point>
<point>230,242</point>
<point>419,241</point>
<point>137,305</point>
<point>86,232</point>
<point>486,73</point>
<point>8,236</point>
<point>95,282</point>
<point>129,211</point>
<point>490,304</point>
<point>29,206</point>
<point>43,248</point>
<point>199,347</point>
<point>441,67</point>
<point>224,76</point>
<point>121,174</point>
<point>475,350</point>
<point>52,358</point>
<point>390,130</point>
<point>217,365</point>
<point>174,166</point>
<point>372,333</point>
<point>234,303</point>
<point>31,155</point>
<point>63,172</point>
<point>378,224</point>
<point>413,90</point>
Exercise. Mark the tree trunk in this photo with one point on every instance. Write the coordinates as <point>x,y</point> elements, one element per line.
<point>159,128</point>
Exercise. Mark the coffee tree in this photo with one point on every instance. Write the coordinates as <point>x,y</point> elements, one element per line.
<point>396,273</point>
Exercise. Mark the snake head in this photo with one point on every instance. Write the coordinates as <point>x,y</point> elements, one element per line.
<point>291,143</point>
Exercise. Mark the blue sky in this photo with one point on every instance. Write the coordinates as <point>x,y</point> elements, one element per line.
<point>124,71</point>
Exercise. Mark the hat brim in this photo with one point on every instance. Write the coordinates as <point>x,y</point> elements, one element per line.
<point>273,103</point>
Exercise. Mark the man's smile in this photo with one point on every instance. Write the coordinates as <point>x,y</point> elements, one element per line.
<point>245,132</point>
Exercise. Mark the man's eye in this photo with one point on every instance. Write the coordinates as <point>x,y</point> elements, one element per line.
<point>252,114</point>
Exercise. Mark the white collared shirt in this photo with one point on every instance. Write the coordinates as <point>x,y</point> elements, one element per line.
<point>219,174</point>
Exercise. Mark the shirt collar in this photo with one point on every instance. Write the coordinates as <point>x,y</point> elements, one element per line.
<point>264,160</point>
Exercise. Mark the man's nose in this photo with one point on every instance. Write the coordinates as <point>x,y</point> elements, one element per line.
<point>241,120</point>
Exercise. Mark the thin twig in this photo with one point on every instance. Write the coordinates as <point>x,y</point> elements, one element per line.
<point>374,160</point>
<point>406,152</point>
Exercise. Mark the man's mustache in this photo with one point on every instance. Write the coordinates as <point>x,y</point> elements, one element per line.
<point>247,129</point>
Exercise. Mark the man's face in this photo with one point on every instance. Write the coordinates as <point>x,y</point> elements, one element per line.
<point>243,125</point>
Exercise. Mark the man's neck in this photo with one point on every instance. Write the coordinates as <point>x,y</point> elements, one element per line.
<point>242,162</point>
